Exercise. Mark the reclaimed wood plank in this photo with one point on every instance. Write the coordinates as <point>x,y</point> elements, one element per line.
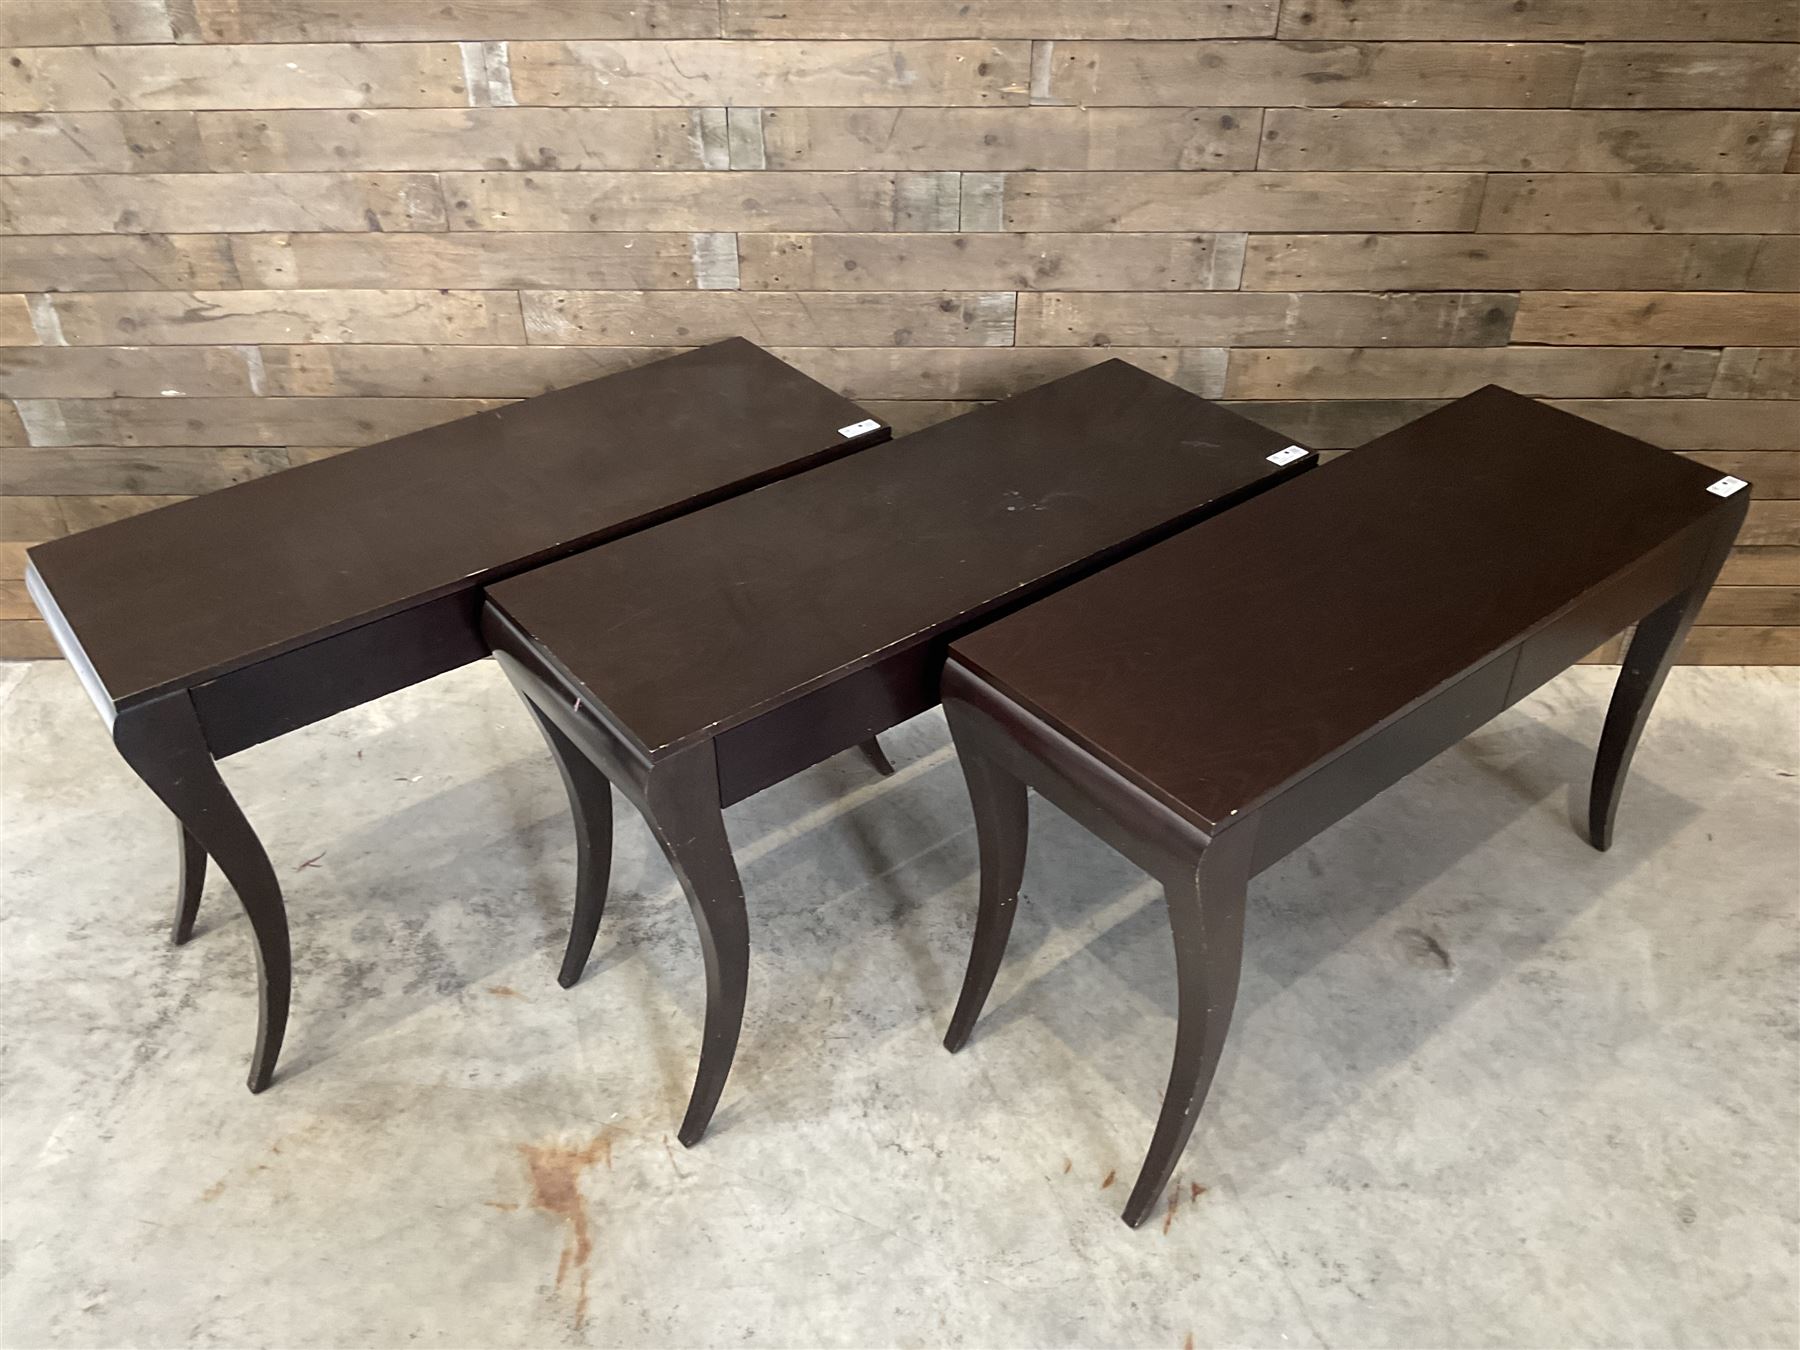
<point>1675,203</point>
<point>65,23</point>
<point>1759,372</point>
<point>1310,74</point>
<point>31,519</point>
<point>193,203</point>
<point>1697,424</point>
<point>125,372</point>
<point>1542,20</point>
<point>1449,372</point>
<point>234,422</point>
<point>27,640</point>
<point>702,201</point>
<point>84,513</point>
<point>16,327</point>
<point>1263,319</point>
<point>315,140</point>
<point>431,371</point>
<point>466,20</point>
<point>117,262</point>
<point>108,318</point>
<point>72,79</point>
<point>880,374</point>
<point>1000,19</point>
<point>1202,202</point>
<point>87,470</point>
<point>1366,262</point>
<point>906,416</point>
<point>100,142</point>
<point>1773,475</point>
<point>776,318</point>
<point>1771,524</point>
<point>1334,424</point>
<point>1024,262</point>
<point>991,139</point>
<point>1762,567</point>
<point>498,261</point>
<point>816,74</point>
<point>1713,646</point>
<point>12,427</point>
<point>1688,75</point>
<point>1693,318</point>
<point>1522,139</point>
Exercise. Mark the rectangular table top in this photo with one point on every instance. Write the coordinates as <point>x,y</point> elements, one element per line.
<point>1217,667</point>
<point>192,591</point>
<point>683,631</point>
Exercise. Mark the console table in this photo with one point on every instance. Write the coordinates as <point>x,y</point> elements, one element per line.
<point>212,625</point>
<point>1213,702</point>
<point>696,663</point>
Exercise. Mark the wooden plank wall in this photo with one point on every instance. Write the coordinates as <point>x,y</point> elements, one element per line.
<point>239,234</point>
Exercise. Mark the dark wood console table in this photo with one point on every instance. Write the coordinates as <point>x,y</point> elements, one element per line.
<point>1212,703</point>
<point>212,625</point>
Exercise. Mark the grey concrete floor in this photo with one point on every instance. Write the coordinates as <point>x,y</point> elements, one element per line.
<point>1485,1086</point>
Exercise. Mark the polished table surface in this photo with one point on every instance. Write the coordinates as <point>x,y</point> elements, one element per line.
<point>686,630</point>
<point>1214,668</point>
<point>195,590</point>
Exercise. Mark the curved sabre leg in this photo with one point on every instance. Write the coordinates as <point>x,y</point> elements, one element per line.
<point>872,751</point>
<point>1654,647</point>
<point>163,742</point>
<point>191,881</point>
<point>1002,819</point>
<point>1206,918</point>
<point>590,802</point>
<point>686,818</point>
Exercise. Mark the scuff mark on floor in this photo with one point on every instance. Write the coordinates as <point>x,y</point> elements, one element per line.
<point>556,1171</point>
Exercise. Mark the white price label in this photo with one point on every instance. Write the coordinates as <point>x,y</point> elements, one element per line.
<point>1289,455</point>
<point>862,428</point>
<point>1726,486</point>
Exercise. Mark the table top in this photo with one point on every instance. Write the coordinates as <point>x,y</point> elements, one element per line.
<point>191,591</point>
<point>1221,665</point>
<point>704,623</point>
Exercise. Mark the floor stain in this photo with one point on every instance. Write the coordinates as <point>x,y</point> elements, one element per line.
<point>1111,1177</point>
<point>1188,1344</point>
<point>213,1192</point>
<point>1194,1191</point>
<point>503,991</point>
<point>1422,949</point>
<point>556,1171</point>
<point>1067,1164</point>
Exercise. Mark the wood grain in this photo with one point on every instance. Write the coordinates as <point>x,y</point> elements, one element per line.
<point>773,318</point>
<point>1542,20</point>
<point>808,74</point>
<point>70,79</point>
<point>1759,372</point>
<point>1240,201</point>
<point>1224,319</point>
<point>125,372</point>
<point>1596,203</point>
<point>466,20</point>
<point>1516,140</point>
<point>1742,647</point>
<point>258,422</point>
<point>100,142</point>
<point>636,261</point>
<point>194,203</point>
<point>57,23</point>
<point>1023,262</point>
<point>702,201</point>
<point>1316,74</point>
<point>164,469</point>
<point>1429,372</point>
<point>1699,318</point>
<point>106,318</point>
<point>1683,75</point>
<point>1010,138</point>
<point>1000,19</point>
<point>1435,262</point>
<point>117,262</point>
<point>1697,424</point>
<point>16,326</point>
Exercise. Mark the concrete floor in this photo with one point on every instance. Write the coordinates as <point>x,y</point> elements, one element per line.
<point>1485,1086</point>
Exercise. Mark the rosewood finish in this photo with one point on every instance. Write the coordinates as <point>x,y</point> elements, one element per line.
<point>214,624</point>
<point>1213,702</point>
<point>696,663</point>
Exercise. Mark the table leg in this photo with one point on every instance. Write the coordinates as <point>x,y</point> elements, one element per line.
<point>590,802</point>
<point>1654,647</point>
<point>1002,820</point>
<point>1206,918</point>
<point>191,879</point>
<point>683,811</point>
<point>873,752</point>
<point>163,742</point>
